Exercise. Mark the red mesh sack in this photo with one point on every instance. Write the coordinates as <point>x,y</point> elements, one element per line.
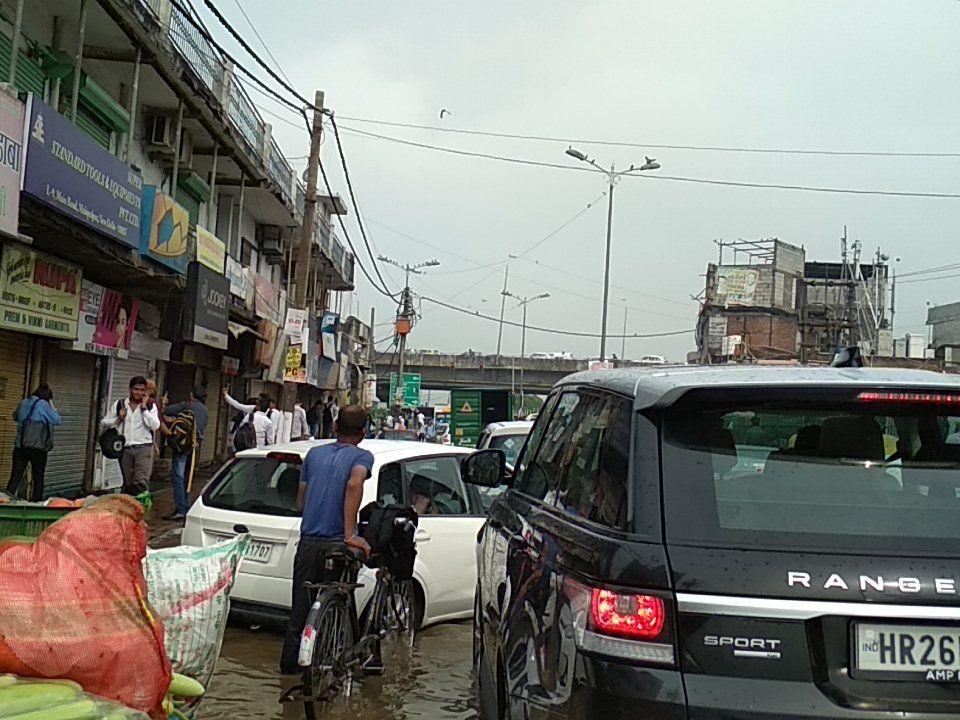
<point>73,604</point>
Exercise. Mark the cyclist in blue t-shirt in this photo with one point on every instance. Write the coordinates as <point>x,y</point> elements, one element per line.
<point>329,496</point>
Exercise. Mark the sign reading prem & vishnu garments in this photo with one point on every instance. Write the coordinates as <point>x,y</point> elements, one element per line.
<point>66,170</point>
<point>39,294</point>
<point>207,308</point>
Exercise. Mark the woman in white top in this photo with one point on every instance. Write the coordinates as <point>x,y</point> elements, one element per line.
<point>261,423</point>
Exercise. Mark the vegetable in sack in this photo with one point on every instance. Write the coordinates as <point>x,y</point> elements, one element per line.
<point>77,710</point>
<point>183,686</point>
<point>25,697</point>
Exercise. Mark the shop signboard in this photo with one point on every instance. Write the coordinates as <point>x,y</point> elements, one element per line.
<point>11,162</point>
<point>267,300</point>
<point>328,336</point>
<point>239,277</point>
<point>107,321</point>
<point>295,326</point>
<point>294,370</point>
<point>210,250</point>
<point>207,308</point>
<point>66,170</point>
<point>230,366</point>
<point>165,230</point>
<point>39,294</point>
<point>716,331</point>
<point>312,349</point>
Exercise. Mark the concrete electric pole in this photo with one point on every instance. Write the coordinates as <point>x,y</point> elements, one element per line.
<point>308,230</point>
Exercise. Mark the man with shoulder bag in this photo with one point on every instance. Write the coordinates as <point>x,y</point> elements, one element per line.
<point>135,418</point>
<point>36,417</point>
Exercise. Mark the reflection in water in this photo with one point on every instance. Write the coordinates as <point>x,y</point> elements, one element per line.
<point>431,681</point>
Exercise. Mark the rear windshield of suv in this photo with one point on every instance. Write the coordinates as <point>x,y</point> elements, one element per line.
<point>842,470</point>
<point>257,485</point>
<point>510,444</point>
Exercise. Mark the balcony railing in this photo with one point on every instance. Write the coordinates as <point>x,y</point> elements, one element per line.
<point>244,117</point>
<point>199,54</point>
<point>280,171</point>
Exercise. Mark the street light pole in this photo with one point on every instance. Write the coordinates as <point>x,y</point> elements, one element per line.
<point>612,178</point>
<point>523,302</point>
<point>623,346</point>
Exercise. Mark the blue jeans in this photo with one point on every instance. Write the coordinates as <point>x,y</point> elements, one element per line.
<point>178,467</point>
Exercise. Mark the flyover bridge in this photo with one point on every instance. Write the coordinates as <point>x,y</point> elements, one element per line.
<point>451,372</point>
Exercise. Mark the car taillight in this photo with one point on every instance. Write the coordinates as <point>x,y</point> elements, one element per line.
<point>290,458</point>
<point>638,617</point>
<point>631,626</point>
<point>916,398</point>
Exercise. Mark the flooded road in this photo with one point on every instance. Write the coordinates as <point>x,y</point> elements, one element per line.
<point>431,681</point>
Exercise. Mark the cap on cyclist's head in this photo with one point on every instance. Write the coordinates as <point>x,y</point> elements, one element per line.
<point>352,421</point>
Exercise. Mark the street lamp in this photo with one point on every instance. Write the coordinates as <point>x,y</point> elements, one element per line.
<point>623,346</point>
<point>503,302</point>
<point>523,302</point>
<point>612,178</point>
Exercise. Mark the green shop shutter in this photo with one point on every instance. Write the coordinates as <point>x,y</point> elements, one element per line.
<point>30,76</point>
<point>92,126</point>
<point>190,202</point>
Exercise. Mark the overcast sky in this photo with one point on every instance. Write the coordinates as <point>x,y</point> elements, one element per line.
<point>868,75</point>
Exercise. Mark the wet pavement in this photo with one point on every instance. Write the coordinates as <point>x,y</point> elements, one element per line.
<point>431,681</point>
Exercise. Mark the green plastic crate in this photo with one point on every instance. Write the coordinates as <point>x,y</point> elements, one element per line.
<point>28,520</point>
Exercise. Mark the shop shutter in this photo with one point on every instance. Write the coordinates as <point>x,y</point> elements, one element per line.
<point>13,371</point>
<point>30,77</point>
<point>190,203</point>
<point>70,376</point>
<point>120,376</point>
<point>93,126</point>
<point>208,450</point>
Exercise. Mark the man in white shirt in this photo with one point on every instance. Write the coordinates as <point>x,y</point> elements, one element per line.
<point>299,427</point>
<point>257,414</point>
<point>136,418</point>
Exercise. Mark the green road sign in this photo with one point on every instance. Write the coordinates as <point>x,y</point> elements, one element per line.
<point>411,390</point>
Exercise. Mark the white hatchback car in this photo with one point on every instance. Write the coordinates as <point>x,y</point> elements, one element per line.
<point>256,492</point>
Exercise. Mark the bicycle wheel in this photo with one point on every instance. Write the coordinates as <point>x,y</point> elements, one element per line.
<point>399,615</point>
<point>326,677</point>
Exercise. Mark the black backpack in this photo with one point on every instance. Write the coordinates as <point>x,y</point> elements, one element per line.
<point>389,530</point>
<point>246,436</point>
<point>182,433</point>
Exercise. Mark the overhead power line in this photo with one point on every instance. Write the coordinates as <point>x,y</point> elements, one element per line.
<point>674,178</point>
<point>263,42</point>
<point>652,145</point>
<point>555,331</point>
<point>928,271</point>
<point>926,279</point>
<point>356,209</point>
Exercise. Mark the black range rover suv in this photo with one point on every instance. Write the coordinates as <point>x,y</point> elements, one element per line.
<point>736,542</point>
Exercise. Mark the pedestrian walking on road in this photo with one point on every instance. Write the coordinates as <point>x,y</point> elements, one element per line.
<point>179,417</point>
<point>314,415</point>
<point>136,417</point>
<point>257,415</point>
<point>299,425</point>
<point>36,417</point>
<point>327,418</point>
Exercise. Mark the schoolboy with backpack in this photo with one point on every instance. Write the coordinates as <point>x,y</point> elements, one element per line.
<point>186,424</point>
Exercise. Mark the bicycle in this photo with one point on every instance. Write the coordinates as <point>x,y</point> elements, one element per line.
<point>332,646</point>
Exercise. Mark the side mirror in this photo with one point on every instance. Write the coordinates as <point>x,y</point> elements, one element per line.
<point>486,468</point>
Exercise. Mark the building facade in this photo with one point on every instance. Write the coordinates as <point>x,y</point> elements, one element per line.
<point>149,225</point>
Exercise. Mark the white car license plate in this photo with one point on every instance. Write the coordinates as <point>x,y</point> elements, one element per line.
<point>906,652</point>
<point>259,552</point>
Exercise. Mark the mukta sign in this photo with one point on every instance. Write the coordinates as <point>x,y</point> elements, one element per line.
<point>39,294</point>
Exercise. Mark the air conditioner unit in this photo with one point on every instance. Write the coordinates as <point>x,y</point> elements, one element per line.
<point>163,131</point>
<point>270,240</point>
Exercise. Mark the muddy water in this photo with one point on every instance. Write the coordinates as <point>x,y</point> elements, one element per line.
<point>432,681</point>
